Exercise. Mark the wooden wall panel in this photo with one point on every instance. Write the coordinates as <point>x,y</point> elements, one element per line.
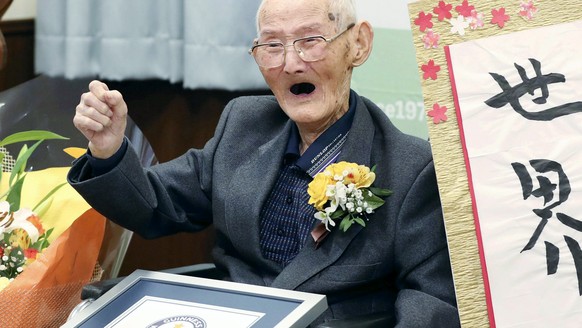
<point>19,36</point>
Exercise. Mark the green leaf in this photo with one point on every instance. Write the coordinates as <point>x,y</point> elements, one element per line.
<point>20,163</point>
<point>4,194</point>
<point>360,221</point>
<point>42,241</point>
<point>373,201</point>
<point>13,197</point>
<point>381,192</point>
<point>337,214</point>
<point>20,154</point>
<point>43,206</point>
<point>46,201</point>
<point>346,223</point>
<point>32,135</point>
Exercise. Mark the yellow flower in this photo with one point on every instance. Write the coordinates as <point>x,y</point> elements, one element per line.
<point>360,175</point>
<point>317,190</point>
<point>365,177</point>
<point>19,237</point>
<point>4,282</point>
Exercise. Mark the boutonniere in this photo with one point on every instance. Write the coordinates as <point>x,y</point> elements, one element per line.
<point>344,191</point>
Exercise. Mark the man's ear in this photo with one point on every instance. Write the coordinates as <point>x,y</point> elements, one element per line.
<point>364,37</point>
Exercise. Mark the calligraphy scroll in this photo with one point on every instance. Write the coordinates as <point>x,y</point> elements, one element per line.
<point>502,88</point>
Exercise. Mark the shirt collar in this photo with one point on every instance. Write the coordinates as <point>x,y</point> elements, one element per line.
<point>326,148</point>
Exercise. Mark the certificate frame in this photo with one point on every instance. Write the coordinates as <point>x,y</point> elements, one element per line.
<point>280,307</point>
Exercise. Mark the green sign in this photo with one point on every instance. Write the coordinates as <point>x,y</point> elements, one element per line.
<point>390,76</point>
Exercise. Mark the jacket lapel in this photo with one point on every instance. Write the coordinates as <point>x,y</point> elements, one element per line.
<point>252,183</point>
<point>310,261</point>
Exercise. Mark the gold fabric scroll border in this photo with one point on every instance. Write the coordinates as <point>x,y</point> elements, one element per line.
<point>445,137</point>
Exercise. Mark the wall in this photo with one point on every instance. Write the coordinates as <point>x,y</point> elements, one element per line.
<point>390,76</point>
<point>17,26</point>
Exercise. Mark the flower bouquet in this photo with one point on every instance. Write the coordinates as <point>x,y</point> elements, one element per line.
<point>49,239</point>
<point>344,191</point>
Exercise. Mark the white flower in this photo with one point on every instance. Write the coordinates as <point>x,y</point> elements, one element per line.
<point>4,282</point>
<point>330,191</point>
<point>325,218</point>
<point>332,206</point>
<point>19,221</point>
<point>350,206</point>
<point>459,25</point>
<point>341,195</point>
<point>4,215</point>
<point>4,207</point>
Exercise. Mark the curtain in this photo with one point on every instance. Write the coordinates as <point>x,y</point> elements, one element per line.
<point>199,43</point>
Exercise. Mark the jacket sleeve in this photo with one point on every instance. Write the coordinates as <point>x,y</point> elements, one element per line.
<point>167,198</point>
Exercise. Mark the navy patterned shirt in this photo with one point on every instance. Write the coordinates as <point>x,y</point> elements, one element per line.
<point>286,218</point>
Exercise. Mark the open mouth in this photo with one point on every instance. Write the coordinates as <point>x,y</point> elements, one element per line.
<point>302,89</point>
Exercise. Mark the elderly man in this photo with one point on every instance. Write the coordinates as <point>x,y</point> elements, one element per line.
<point>251,179</point>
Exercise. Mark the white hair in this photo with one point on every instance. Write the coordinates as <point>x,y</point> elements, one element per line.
<point>343,12</point>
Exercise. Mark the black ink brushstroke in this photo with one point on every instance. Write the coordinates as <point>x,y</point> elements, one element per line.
<point>552,257</point>
<point>577,255</point>
<point>510,95</point>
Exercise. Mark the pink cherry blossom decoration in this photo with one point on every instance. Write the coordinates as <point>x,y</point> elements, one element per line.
<point>423,21</point>
<point>499,17</point>
<point>438,113</point>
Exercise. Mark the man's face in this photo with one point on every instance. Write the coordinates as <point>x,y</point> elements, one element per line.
<point>313,94</point>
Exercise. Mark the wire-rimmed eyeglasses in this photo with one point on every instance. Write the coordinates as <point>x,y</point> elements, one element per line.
<point>309,48</point>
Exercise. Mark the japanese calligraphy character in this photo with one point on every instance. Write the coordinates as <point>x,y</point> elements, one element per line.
<point>547,191</point>
<point>511,94</point>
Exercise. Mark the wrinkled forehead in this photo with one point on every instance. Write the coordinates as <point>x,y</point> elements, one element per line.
<point>288,17</point>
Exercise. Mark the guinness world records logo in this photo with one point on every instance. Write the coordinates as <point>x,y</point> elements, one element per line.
<point>180,321</point>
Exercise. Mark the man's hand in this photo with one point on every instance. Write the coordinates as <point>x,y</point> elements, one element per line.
<point>102,117</point>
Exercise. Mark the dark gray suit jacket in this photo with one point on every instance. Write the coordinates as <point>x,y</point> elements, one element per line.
<point>398,263</point>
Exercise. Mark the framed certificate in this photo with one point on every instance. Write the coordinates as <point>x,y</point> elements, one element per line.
<point>155,299</point>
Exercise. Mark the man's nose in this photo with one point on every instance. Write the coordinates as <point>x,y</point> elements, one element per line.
<point>292,62</point>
